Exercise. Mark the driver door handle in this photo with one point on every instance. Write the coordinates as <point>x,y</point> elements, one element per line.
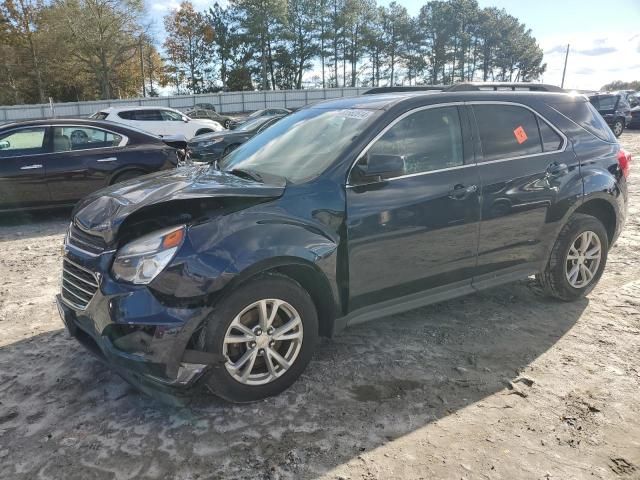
<point>461,192</point>
<point>31,167</point>
<point>109,159</point>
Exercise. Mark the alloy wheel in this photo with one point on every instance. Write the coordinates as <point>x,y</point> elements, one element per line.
<point>263,342</point>
<point>617,128</point>
<point>583,259</point>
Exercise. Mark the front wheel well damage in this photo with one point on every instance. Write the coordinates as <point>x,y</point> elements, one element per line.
<point>603,211</point>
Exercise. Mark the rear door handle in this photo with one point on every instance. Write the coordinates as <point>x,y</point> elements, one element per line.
<point>556,168</point>
<point>461,192</point>
<point>31,167</point>
<point>109,159</point>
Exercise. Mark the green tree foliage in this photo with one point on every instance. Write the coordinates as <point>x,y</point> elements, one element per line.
<point>620,85</point>
<point>84,49</point>
<point>189,46</point>
<point>74,50</point>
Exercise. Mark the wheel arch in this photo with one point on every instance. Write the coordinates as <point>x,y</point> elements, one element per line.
<point>308,275</point>
<point>603,211</point>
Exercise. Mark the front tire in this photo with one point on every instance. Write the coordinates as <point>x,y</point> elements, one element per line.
<point>618,127</point>
<point>577,260</point>
<point>266,330</point>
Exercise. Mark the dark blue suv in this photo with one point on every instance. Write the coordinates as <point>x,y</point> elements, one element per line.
<point>345,211</point>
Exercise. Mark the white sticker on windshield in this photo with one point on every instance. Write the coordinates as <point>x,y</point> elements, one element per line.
<point>356,113</point>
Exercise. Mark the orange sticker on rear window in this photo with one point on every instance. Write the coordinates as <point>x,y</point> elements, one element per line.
<point>521,135</point>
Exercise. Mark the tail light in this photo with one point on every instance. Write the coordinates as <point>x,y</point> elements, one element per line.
<point>624,160</point>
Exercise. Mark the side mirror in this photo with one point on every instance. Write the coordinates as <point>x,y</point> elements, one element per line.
<point>4,144</point>
<point>185,119</point>
<point>379,167</point>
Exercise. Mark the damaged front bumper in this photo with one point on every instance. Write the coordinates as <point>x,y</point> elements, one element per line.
<point>128,329</point>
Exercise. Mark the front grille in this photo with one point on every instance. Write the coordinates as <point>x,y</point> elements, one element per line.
<point>78,285</point>
<point>84,241</point>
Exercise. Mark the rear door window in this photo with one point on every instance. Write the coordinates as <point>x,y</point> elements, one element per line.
<point>83,138</point>
<point>606,102</point>
<point>141,115</point>
<point>507,131</point>
<point>169,116</point>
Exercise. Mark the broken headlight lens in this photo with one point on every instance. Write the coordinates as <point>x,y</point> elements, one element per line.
<point>141,260</point>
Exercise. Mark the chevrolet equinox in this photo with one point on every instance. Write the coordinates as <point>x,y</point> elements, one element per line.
<point>224,276</point>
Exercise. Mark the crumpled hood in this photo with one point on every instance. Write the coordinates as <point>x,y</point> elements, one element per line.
<point>103,212</point>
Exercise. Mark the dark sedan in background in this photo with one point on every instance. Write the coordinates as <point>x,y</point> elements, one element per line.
<point>50,163</point>
<point>213,146</point>
<point>223,120</point>
<point>267,112</point>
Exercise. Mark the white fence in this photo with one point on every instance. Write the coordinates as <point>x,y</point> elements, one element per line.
<point>224,103</point>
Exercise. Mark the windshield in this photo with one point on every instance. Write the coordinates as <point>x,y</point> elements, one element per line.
<point>301,145</point>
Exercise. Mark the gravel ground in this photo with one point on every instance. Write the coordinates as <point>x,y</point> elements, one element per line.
<point>504,384</point>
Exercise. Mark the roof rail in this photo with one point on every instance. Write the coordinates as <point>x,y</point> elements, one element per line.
<point>495,86</point>
<point>421,88</point>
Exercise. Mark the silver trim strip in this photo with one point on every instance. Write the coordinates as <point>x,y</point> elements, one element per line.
<point>31,167</point>
<point>450,104</point>
<point>69,282</point>
<point>64,289</point>
<point>95,285</point>
<point>110,159</point>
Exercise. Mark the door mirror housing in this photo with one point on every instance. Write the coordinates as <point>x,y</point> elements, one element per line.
<point>4,144</point>
<point>185,119</point>
<point>379,167</point>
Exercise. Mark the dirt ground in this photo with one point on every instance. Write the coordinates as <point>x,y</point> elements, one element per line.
<point>500,385</point>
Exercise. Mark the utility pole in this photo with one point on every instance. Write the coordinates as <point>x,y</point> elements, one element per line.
<point>144,88</point>
<point>564,71</point>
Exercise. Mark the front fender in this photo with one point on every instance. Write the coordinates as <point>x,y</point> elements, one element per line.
<point>232,248</point>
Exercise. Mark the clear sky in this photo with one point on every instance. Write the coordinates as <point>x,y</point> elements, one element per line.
<point>604,36</point>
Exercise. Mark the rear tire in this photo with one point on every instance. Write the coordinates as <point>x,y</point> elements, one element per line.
<point>574,269</point>
<point>618,127</point>
<point>227,123</point>
<point>234,331</point>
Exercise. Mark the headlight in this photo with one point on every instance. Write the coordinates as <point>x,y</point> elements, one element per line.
<point>208,143</point>
<point>141,260</point>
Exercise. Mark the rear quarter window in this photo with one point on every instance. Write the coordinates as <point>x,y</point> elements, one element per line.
<point>586,116</point>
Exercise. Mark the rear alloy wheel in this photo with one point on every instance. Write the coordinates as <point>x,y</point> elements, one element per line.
<point>265,330</point>
<point>227,124</point>
<point>583,259</point>
<point>577,259</point>
<point>618,128</point>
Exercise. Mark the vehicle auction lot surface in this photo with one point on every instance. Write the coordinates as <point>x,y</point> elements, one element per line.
<point>424,394</point>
